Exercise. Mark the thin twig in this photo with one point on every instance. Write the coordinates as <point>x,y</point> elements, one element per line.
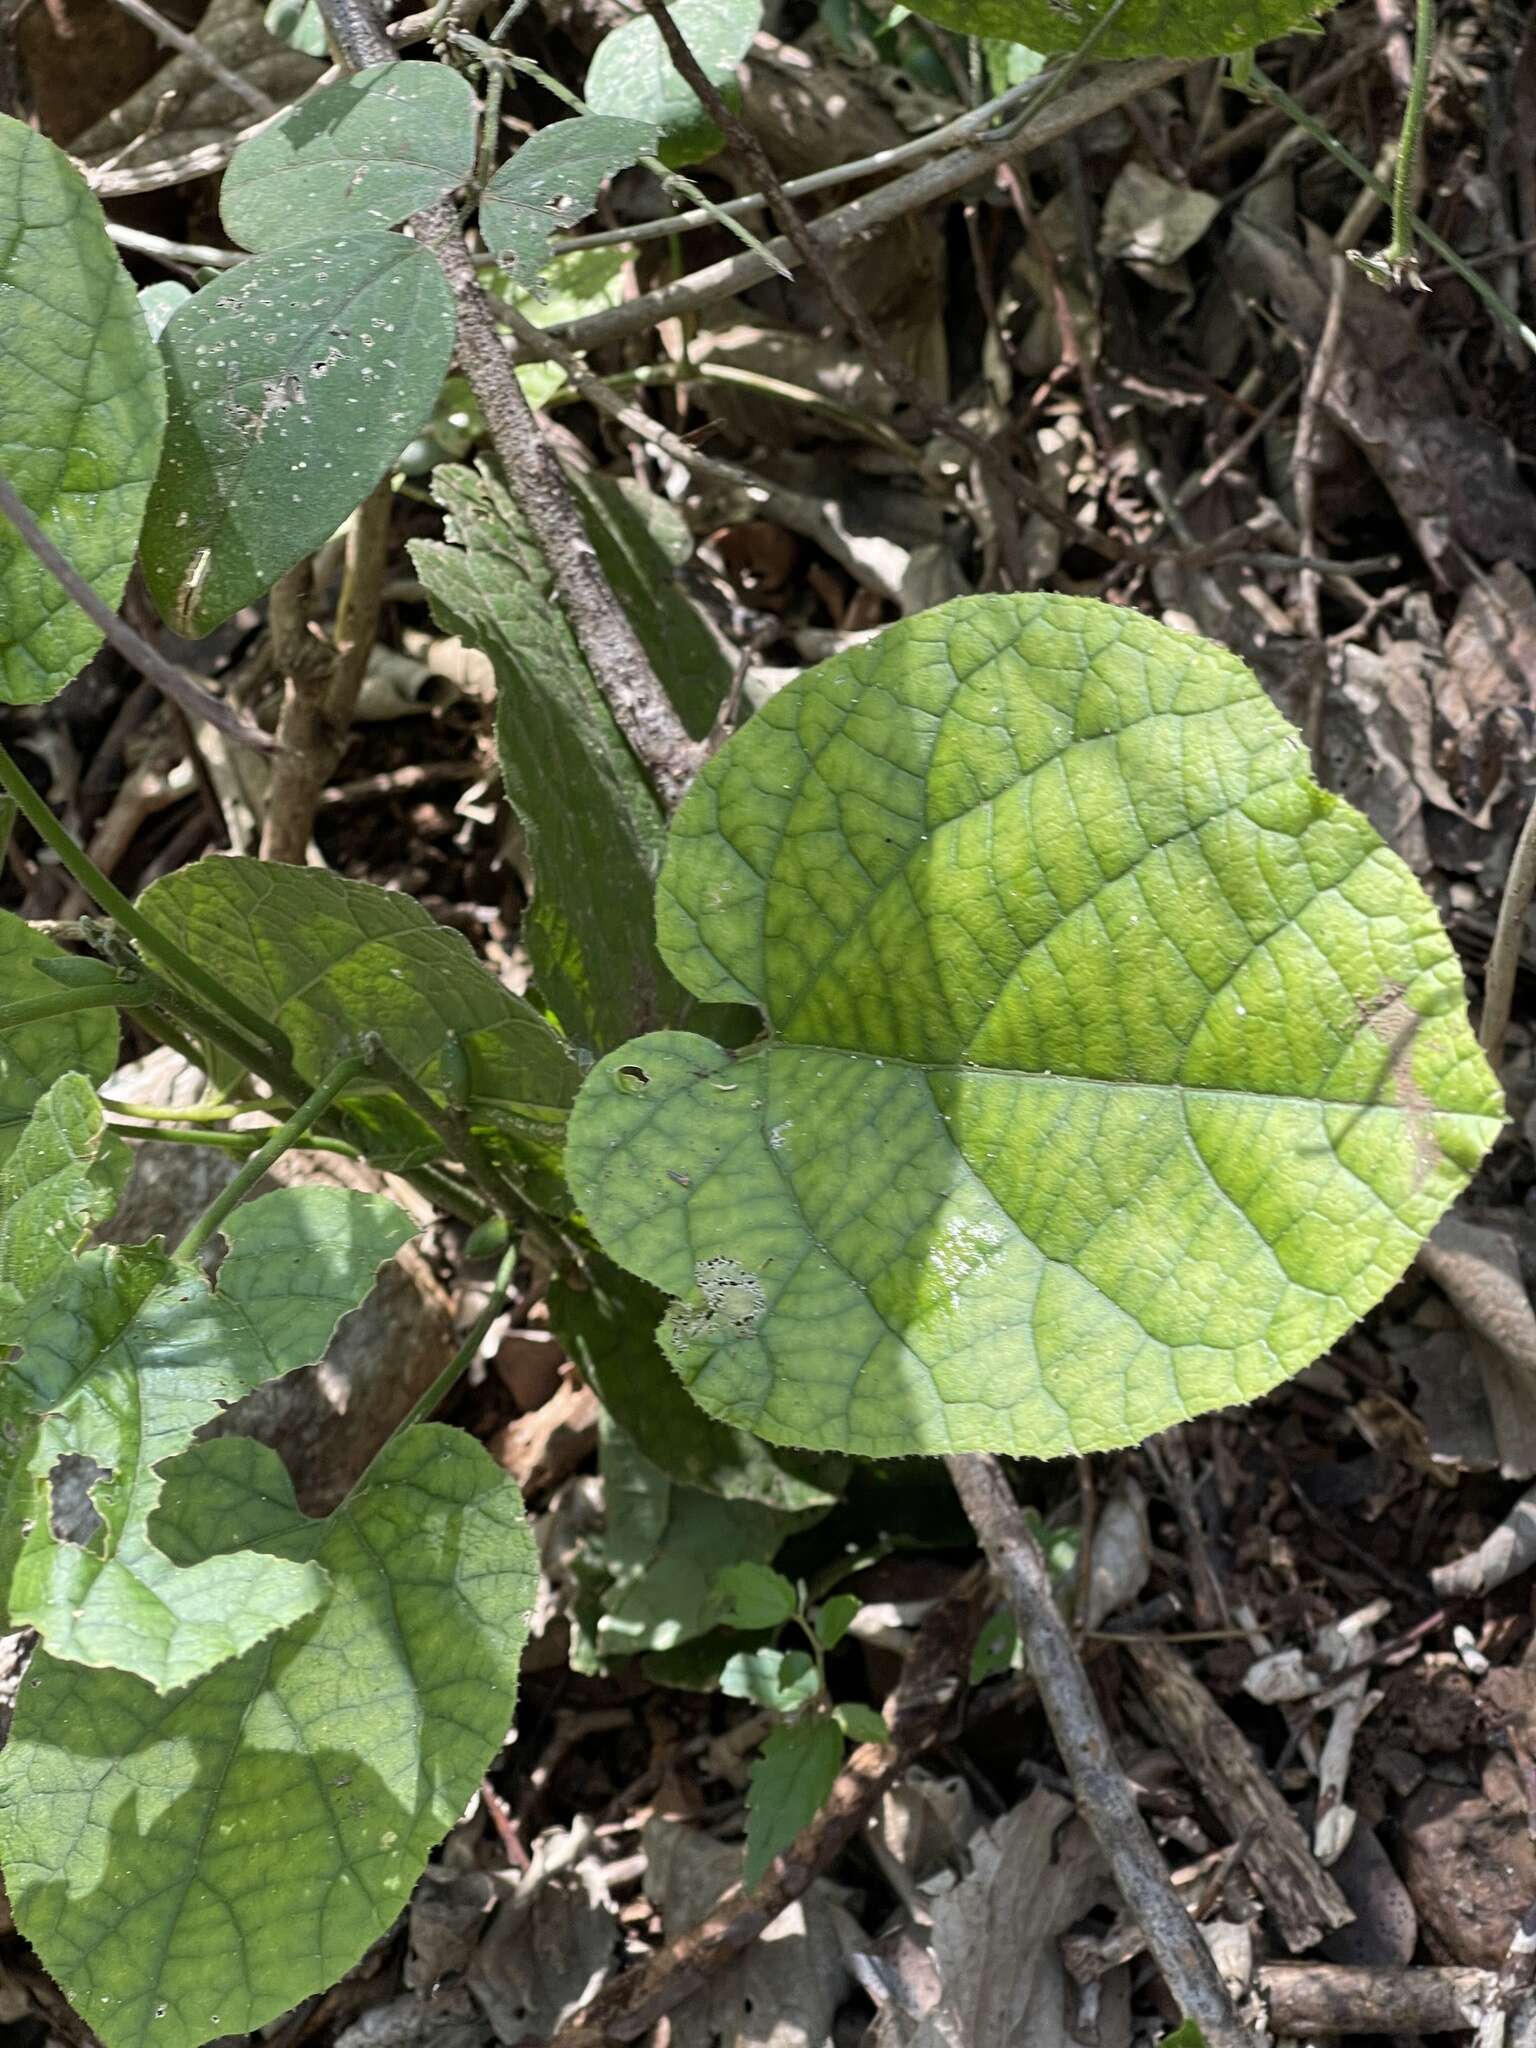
<point>189,255</point>
<point>898,374</point>
<point>1508,938</point>
<point>932,1682</point>
<point>937,179</point>
<point>964,128</point>
<point>177,39</point>
<point>153,666</point>
<point>794,509</point>
<point>1104,1799</point>
<point>1304,465</point>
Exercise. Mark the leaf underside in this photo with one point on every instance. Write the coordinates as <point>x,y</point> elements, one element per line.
<point>1142,28</point>
<point>1114,1067</point>
<point>191,1865</point>
<point>82,409</point>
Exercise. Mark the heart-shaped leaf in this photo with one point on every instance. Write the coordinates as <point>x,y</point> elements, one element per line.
<point>553,181</point>
<point>330,959</point>
<point>82,409</point>
<point>191,1865</point>
<point>1114,1067</point>
<point>33,1056</point>
<point>126,1356</point>
<point>294,381</point>
<point>1141,28</point>
<point>362,154</point>
<point>632,75</point>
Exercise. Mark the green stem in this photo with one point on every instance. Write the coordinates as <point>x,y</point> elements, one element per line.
<point>1399,255</point>
<point>221,1141</point>
<point>464,1357</point>
<point>124,995</point>
<point>282,1140</point>
<point>452,1127</point>
<point>149,939</point>
<point>192,1113</point>
<point>1279,98</point>
<point>7,825</point>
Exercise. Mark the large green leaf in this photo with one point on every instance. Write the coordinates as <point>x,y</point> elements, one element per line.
<point>329,959</point>
<point>33,1056</point>
<point>552,181</point>
<point>1115,1067</point>
<point>82,409</point>
<point>1142,28</point>
<point>594,830</point>
<point>362,154</point>
<point>608,1327</point>
<point>190,1866</point>
<point>631,73</point>
<point>63,1175</point>
<point>294,381</point>
<point>124,1357</point>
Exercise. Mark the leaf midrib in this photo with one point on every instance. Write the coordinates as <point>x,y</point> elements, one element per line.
<point>964,1069</point>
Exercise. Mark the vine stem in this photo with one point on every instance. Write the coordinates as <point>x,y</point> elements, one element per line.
<point>1399,256</point>
<point>282,1140</point>
<point>1104,1799</point>
<point>123,995</point>
<point>467,1352</point>
<point>150,940</point>
<point>1283,103</point>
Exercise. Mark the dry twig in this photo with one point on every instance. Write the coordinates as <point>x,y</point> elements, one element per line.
<point>1104,1799</point>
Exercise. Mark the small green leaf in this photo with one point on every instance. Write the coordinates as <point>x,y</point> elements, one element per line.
<point>34,1056</point>
<point>996,1647</point>
<point>299,24</point>
<point>608,1328</point>
<point>663,1549</point>
<point>82,409</point>
<point>552,181</point>
<point>192,1865</point>
<point>157,302</point>
<point>124,1358</point>
<point>1114,1070</point>
<point>781,1680</point>
<point>62,1177</point>
<point>382,144</point>
<point>631,73</point>
<point>1143,28</point>
<point>1185,2035</point>
<point>752,1596</point>
<point>294,382</point>
<point>593,825</point>
<point>789,1786</point>
<point>860,1723</point>
<point>833,1618</point>
<point>328,959</point>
